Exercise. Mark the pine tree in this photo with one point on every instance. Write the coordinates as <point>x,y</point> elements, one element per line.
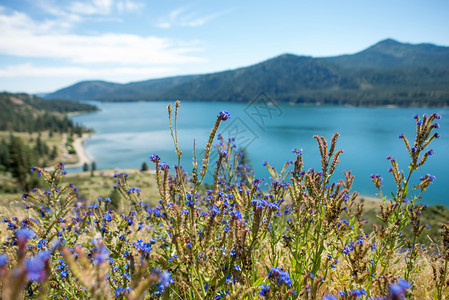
<point>93,167</point>
<point>21,160</point>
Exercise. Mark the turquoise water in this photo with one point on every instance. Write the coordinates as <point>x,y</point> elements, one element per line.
<point>128,133</point>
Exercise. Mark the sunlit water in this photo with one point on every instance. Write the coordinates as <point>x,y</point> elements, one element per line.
<point>128,133</point>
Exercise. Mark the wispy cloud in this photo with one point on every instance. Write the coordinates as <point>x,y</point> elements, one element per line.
<point>129,6</point>
<point>183,18</point>
<point>89,7</point>
<point>29,70</point>
<point>25,37</point>
<point>94,7</point>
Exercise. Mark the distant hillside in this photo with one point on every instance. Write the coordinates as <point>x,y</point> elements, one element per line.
<point>391,54</point>
<point>23,112</point>
<point>389,72</point>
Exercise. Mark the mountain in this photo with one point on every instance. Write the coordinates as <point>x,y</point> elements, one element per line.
<point>390,53</point>
<point>388,72</point>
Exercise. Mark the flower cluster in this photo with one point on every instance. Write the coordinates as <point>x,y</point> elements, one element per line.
<point>299,234</point>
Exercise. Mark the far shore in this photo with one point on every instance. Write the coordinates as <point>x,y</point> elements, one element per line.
<point>83,157</point>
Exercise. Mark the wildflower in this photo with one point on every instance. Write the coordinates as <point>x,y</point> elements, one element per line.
<point>236,214</point>
<point>397,290</point>
<point>224,115</point>
<point>35,266</point>
<point>101,255</point>
<point>329,297</point>
<point>42,243</point>
<point>264,291</point>
<point>298,152</point>
<point>154,158</point>
<point>164,166</point>
<point>280,276</point>
<point>24,234</point>
<point>358,293</point>
<point>107,217</point>
<point>3,260</point>
<point>223,153</point>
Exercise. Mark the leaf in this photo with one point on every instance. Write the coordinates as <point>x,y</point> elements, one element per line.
<point>258,282</point>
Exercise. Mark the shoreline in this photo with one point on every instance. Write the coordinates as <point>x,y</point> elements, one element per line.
<point>83,157</point>
<point>78,146</point>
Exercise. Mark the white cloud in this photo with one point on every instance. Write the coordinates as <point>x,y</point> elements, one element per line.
<point>129,6</point>
<point>29,70</point>
<point>94,7</point>
<point>178,17</point>
<point>89,7</point>
<point>23,37</point>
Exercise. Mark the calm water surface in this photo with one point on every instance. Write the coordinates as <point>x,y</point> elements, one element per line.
<point>128,133</point>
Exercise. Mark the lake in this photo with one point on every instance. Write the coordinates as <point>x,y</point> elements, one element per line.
<point>128,133</point>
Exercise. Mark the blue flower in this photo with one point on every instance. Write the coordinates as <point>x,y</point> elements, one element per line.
<point>264,291</point>
<point>3,259</point>
<point>24,234</point>
<point>280,276</point>
<point>224,115</point>
<point>397,290</point>
<point>154,157</point>
<point>101,255</point>
<point>164,166</point>
<point>35,266</point>
<point>236,214</point>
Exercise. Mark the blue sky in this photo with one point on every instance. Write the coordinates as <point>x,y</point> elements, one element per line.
<point>50,44</point>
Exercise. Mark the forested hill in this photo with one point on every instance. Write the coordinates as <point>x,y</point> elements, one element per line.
<point>388,72</point>
<point>23,112</point>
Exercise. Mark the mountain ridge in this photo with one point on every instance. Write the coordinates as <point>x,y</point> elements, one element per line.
<point>388,72</point>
